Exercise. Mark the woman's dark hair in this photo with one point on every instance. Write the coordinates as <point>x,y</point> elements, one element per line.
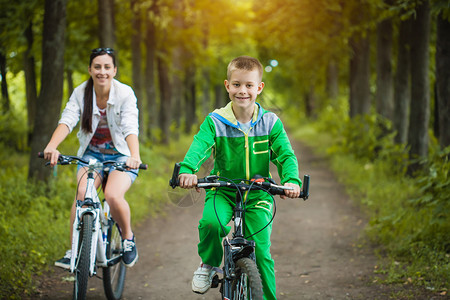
<point>86,120</point>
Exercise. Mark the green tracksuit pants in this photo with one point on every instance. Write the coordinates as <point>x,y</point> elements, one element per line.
<point>258,214</point>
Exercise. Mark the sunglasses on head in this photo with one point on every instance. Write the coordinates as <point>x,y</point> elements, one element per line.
<point>106,50</point>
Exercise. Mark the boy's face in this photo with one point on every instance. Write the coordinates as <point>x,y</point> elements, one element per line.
<point>243,88</point>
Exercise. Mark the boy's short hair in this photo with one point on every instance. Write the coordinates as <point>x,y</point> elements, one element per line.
<point>247,63</point>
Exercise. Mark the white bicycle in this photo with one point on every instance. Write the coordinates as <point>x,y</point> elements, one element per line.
<point>96,238</point>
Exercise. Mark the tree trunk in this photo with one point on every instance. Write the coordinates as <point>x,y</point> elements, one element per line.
<point>150,89</point>
<point>443,79</point>
<point>359,75</point>
<point>332,88</point>
<point>191,99</point>
<point>384,93</point>
<point>177,88</point>
<point>420,90</point>
<point>69,79</point>
<point>220,95</point>
<point>30,77</point>
<point>165,97</point>
<point>106,28</point>
<point>48,108</point>
<point>310,99</point>
<point>402,97</point>
<point>177,67</point>
<point>136,58</point>
<point>206,96</point>
<point>206,80</point>
<point>5,94</point>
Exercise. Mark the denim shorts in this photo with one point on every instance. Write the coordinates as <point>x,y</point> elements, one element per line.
<point>133,173</point>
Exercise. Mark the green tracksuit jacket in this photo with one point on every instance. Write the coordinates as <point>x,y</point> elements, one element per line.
<point>241,155</point>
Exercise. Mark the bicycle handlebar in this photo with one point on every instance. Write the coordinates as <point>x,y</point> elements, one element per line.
<point>67,159</point>
<point>255,184</point>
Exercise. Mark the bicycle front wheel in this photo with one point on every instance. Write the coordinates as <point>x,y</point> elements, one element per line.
<point>247,284</point>
<point>114,275</point>
<point>83,258</point>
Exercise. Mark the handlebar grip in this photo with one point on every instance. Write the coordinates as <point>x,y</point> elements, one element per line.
<point>305,191</point>
<point>276,191</point>
<point>143,166</point>
<point>40,154</point>
<point>173,182</point>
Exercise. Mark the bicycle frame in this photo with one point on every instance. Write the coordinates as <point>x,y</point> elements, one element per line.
<point>91,205</point>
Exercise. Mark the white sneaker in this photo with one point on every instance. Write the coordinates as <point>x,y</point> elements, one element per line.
<point>203,278</point>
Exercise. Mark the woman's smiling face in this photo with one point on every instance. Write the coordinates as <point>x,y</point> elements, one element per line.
<point>102,70</point>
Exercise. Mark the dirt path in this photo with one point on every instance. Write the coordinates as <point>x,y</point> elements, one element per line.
<point>315,245</point>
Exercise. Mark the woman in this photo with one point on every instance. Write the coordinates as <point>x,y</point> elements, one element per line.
<point>109,131</point>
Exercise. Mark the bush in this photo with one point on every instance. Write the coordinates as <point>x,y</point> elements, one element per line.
<point>29,214</point>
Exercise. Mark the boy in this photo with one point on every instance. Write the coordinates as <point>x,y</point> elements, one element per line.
<point>244,139</point>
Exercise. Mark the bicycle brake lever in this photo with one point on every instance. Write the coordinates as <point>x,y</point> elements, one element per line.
<point>211,178</point>
<point>271,180</point>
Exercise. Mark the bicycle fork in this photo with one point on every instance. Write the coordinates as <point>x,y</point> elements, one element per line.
<point>90,205</point>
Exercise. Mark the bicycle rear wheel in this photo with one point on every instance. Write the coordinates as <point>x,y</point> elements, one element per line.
<point>83,258</point>
<point>247,284</point>
<point>114,276</point>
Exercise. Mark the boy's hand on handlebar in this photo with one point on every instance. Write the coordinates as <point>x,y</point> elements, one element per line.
<point>188,181</point>
<point>294,193</point>
<point>52,155</point>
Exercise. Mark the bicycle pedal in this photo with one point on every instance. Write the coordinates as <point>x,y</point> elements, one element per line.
<point>215,281</point>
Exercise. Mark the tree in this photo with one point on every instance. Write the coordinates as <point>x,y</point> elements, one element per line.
<point>384,93</point>
<point>136,57</point>
<point>48,107</point>
<point>359,75</point>
<point>443,78</point>
<point>177,62</point>
<point>332,80</point>
<point>420,90</point>
<point>165,115</point>
<point>402,83</point>
<point>5,95</point>
<point>190,97</point>
<point>30,76</point>
<point>149,75</point>
<point>106,28</point>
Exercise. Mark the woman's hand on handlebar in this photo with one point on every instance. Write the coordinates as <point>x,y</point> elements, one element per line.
<point>133,162</point>
<point>188,181</point>
<point>52,155</point>
<point>294,193</point>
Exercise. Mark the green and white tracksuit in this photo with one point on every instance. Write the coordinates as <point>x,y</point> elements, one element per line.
<point>238,154</point>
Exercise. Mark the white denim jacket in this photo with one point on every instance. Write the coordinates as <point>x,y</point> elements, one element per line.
<point>121,111</point>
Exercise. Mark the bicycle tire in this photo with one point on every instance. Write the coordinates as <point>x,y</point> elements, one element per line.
<point>83,258</point>
<point>247,284</point>
<point>114,276</point>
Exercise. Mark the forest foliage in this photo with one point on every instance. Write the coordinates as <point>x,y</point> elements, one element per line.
<point>349,71</point>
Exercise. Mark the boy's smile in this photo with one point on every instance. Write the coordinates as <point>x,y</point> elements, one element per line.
<point>243,87</point>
